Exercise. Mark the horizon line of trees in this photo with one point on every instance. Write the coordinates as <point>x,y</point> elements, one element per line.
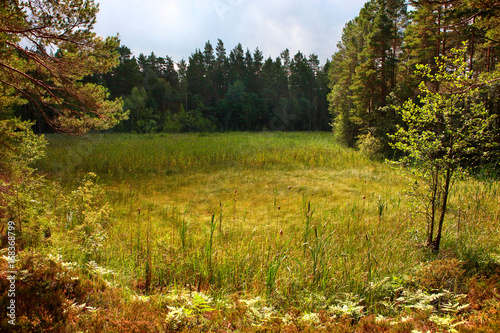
<point>357,93</point>
<point>216,91</point>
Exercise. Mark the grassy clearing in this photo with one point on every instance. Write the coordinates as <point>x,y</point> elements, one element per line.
<point>286,221</point>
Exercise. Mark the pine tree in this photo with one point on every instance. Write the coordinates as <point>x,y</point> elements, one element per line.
<point>125,76</point>
<point>345,61</point>
<point>30,32</point>
<point>237,65</point>
<point>197,82</point>
<point>221,71</point>
<point>364,70</point>
<point>375,77</point>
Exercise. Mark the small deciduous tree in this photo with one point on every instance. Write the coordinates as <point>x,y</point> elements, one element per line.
<point>444,133</point>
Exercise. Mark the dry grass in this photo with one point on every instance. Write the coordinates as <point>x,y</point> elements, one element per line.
<point>279,230</point>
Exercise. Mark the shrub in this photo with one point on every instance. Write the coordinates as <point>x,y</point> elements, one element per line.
<point>187,121</point>
<point>85,216</point>
<point>46,294</point>
<point>443,274</point>
<point>371,146</point>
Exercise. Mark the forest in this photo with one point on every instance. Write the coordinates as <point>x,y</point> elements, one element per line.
<point>356,93</point>
<point>373,72</point>
<point>216,91</point>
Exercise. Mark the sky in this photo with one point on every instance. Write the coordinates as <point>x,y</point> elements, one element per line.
<point>177,28</point>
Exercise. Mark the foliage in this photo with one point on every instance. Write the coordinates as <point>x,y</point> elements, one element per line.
<point>364,72</point>
<point>47,48</point>
<point>187,121</point>
<point>21,190</point>
<point>31,32</point>
<point>373,69</point>
<point>371,146</point>
<point>349,306</point>
<point>214,90</point>
<point>21,148</point>
<point>344,268</point>
<point>352,262</point>
<point>190,313</point>
<point>442,274</point>
<point>447,132</point>
<point>85,218</point>
<point>47,294</point>
<point>46,51</point>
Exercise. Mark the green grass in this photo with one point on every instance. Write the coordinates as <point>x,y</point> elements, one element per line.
<point>132,156</point>
<point>291,217</point>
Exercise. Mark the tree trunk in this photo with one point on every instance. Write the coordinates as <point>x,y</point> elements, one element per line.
<point>435,185</point>
<point>446,191</point>
<point>472,49</point>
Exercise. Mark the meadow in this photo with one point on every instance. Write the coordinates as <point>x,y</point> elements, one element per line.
<point>285,229</point>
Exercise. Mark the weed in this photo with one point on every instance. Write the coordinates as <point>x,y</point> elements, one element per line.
<point>381,206</point>
<point>349,305</point>
<point>442,274</point>
<point>272,270</point>
<point>183,230</point>
<point>166,217</point>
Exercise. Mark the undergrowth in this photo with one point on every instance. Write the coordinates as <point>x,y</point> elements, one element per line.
<point>249,232</point>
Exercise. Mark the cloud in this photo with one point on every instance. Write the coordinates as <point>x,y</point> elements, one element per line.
<point>178,27</point>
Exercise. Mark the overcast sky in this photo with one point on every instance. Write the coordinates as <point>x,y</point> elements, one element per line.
<point>178,27</point>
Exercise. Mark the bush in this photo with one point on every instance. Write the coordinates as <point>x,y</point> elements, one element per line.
<point>442,274</point>
<point>187,121</point>
<point>21,190</point>
<point>46,292</point>
<point>85,216</point>
<point>371,146</point>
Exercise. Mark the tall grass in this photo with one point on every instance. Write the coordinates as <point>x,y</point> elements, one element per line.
<point>270,214</point>
<point>130,156</point>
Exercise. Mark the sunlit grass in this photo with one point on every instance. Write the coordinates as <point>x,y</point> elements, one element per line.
<point>130,156</point>
<point>283,216</point>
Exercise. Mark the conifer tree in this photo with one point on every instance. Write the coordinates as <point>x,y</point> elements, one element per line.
<point>46,49</point>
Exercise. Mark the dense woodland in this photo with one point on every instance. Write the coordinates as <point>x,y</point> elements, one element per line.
<point>357,93</point>
<point>373,72</point>
<point>216,91</point>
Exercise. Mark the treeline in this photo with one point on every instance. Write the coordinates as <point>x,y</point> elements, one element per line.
<point>216,91</point>
<point>372,73</point>
<point>357,92</point>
